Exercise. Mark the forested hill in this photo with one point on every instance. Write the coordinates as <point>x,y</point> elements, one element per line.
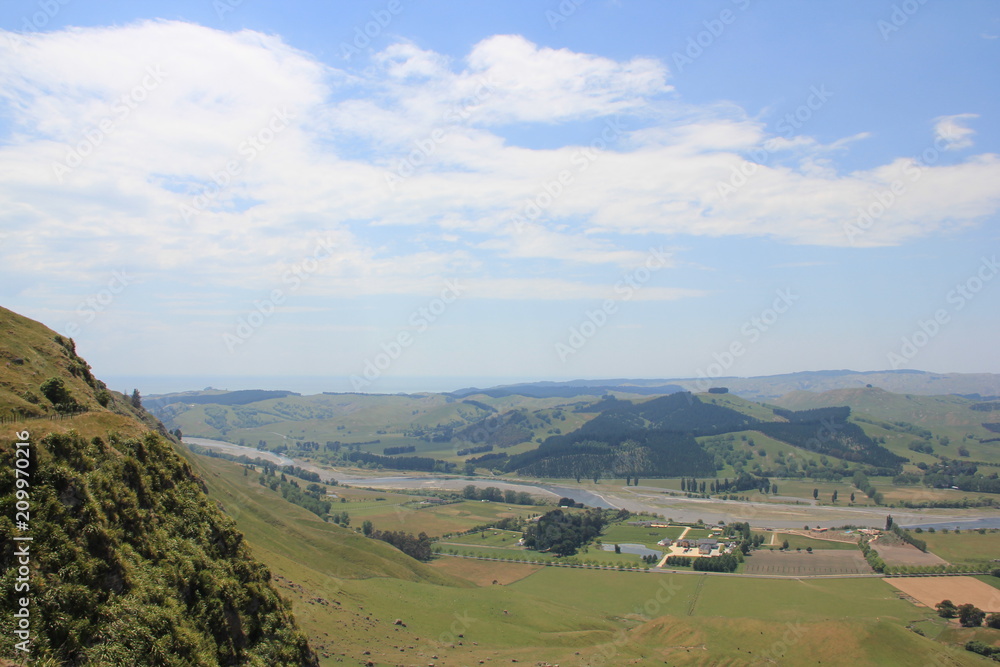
<point>657,438</point>
<point>130,563</point>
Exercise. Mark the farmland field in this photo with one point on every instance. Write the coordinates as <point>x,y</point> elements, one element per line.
<point>795,563</point>
<point>905,554</point>
<point>799,541</point>
<point>484,573</point>
<point>621,533</point>
<point>417,516</point>
<point>960,590</point>
<point>964,547</point>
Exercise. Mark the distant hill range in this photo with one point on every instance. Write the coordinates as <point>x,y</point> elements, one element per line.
<point>980,386</point>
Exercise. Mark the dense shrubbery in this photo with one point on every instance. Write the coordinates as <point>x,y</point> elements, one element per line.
<point>402,449</point>
<point>908,537</point>
<point>493,494</point>
<point>132,564</point>
<point>421,463</point>
<point>563,532</point>
<point>983,649</point>
<point>418,547</point>
<point>723,563</point>
<point>311,499</point>
<point>874,560</point>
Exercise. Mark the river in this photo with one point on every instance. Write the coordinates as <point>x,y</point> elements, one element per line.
<point>651,499</point>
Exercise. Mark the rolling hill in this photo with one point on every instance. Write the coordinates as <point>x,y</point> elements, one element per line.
<point>129,562</point>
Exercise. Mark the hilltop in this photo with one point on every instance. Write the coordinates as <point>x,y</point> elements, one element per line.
<point>130,562</point>
<point>767,387</point>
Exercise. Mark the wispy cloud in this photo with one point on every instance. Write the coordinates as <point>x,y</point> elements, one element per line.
<point>207,130</point>
<point>952,130</point>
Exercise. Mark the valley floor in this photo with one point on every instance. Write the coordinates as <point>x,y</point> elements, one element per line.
<point>364,603</point>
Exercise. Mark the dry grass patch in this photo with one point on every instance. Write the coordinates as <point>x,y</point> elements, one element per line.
<point>905,554</point>
<point>484,572</point>
<point>960,590</point>
<point>803,564</point>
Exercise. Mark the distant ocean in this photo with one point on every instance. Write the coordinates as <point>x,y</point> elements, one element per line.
<point>149,385</point>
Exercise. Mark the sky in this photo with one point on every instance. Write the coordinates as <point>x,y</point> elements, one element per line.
<point>371,193</point>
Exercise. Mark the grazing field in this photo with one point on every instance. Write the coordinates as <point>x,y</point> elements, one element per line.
<point>960,590</point>
<point>803,564</point>
<point>800,541</point>
<point>348,591</point>
<point>905,554</point>
<point>483,572</point>
<point>620,533</point>
<point>418,516</point>
<point>967,547</point>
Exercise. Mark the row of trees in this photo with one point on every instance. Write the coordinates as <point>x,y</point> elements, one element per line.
<point>418,547</point>
<point>723,563</point>
<point>493,494</point>
<point>310,498</point>
<point>969,615</point>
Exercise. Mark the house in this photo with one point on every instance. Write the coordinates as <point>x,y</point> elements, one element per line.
<point>665,542</point>
<point>705,546</point>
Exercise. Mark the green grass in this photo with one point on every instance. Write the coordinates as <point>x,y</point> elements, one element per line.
<point>558,615</point>
<point>806,599</point>
<point>415,517</point>
<point>967,547</point>
<point>488,538</point>
<point>801,542</point>
<point>621,533</point>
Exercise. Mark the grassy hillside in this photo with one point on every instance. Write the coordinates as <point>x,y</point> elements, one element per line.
<point>949,421</point>
<point>348,593</point>
<point>129,561</point>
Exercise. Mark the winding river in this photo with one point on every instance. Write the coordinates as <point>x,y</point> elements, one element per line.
<point>650,499</point>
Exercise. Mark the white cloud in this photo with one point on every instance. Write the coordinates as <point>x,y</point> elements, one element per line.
<point>632,163</point>
<point>952,131</point>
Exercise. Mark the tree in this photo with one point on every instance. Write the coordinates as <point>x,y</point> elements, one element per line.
<point>993,621</point>
<point>852,497</point>
<point>774,489</point>
<point>809,549</point>
<point>815,494</point>
<point>888,522</point>
<point>834,495</point>
<point>136,399</point>
<point>784,545</point>
<point>970,616</point>
<point>367,528</point>
<point>618,549</point>
<point>946,609</point>
<point>55,390</point>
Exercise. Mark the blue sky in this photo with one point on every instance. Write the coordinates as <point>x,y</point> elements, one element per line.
<point>521,190</point>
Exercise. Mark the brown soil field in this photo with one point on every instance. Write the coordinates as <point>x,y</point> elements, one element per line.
<point>802,564</point>
<point>828,535</point>
<point>906,554</point>
<point>960,590</point>
<point>485,572</point>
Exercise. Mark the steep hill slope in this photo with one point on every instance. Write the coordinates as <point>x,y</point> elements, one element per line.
<point>129,562</point>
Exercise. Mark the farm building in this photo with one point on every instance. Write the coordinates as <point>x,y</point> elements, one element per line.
<point>705,546</point>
